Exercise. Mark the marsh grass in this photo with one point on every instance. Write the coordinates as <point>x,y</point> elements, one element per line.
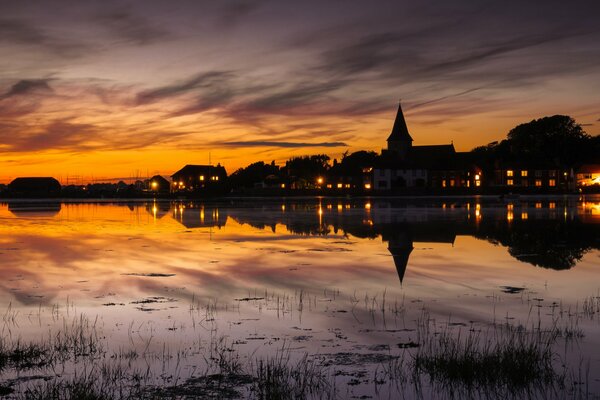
<point>511,357</point>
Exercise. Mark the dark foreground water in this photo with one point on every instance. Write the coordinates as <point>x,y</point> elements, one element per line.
<point>170,293</point>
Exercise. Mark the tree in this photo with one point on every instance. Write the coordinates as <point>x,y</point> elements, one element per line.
<point>558,138</point>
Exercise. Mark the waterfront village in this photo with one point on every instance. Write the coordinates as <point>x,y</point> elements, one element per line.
<point>547,155</point>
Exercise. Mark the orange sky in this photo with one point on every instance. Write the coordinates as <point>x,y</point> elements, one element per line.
<point>95,91</point>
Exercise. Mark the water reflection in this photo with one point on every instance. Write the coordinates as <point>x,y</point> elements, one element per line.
<point>534,233</point>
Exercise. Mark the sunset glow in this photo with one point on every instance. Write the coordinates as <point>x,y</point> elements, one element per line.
<point>99,90</point>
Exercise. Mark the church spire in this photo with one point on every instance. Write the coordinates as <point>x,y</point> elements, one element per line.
<point>400,130</point>
<point>400,140</point>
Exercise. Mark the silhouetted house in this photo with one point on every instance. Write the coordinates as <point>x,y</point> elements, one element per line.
<point>434,166</point>
<point>199,178</point>
<point>159,184</point>
<point>588,175</point>
<point>34,187</point>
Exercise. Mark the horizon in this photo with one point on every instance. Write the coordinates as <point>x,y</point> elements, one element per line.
<point>97,91</point>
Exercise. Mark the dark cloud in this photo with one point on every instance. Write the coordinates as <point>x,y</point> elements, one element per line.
<point>132,28</point>
<point>233,12</point>
<point>28,86</point>
<point>260,143</point>
<point>216,83</point>
<point>25,33</point>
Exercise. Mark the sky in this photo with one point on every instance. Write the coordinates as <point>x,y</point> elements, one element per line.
<point>91,90</point>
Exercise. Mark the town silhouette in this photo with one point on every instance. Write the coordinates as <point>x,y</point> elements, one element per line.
<point>547,155</point>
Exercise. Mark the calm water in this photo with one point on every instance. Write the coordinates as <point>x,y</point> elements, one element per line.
<point>343,280</point>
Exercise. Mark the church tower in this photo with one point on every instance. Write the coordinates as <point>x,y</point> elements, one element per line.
<point>400,140</point>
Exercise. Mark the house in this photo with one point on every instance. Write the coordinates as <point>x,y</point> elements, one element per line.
<point>525,176</point>
<point>403,165</point>
<point>197,178</point>
<point>159,184</point>
<point>34,187</point>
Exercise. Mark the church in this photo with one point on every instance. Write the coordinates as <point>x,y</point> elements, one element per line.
<point>403,165</point>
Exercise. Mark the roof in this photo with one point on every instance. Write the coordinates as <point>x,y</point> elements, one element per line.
<point>35,183</point>
<point>191,169</point>
<point>399,130</point>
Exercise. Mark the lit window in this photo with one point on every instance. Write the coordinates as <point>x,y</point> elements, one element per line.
<point>538,205</point>
<point>509,182</point>
<point>320,181</point>
<point>478,183</point>
<point>451,182</point>
<point>468,183</point>
<point>509,173</point>
<point>283,185</point>
<point>538,182</point>
<point>329,186</point>
<point>339,185</point>
<point>347,185</point>
<point>367,186</point>
<point>201,177</point>
<point>523,173</point>
<point>552,182</point>
<point>477,177</point>
<point>444,183</point>
<point>552,173</point>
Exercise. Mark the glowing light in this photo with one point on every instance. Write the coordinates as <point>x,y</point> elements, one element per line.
<point>476,177</point>
<point>320,181</point>
<point>339,185</point>
<point>283,185</point>
<point>368,206</point>
<point>509,173</point>
<point>283,207</point>
<point>339,207</point>
<point>524,215</point>
<point>154,184</point>
<point>201,177</point>
<point>367,186</point>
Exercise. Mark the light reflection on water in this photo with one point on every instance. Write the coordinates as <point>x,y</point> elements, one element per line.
<point>453,256</point>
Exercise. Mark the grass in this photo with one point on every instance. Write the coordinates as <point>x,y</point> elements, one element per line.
<point>512,358</point>
<point>446,360</point>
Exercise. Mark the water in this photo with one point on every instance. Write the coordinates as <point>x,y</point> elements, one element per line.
<point>343,281</point>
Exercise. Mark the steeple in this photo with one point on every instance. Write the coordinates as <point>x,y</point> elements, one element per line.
<point>400,140</point>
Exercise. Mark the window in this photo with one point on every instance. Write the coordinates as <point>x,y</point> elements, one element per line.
<point>524,183</point>
<point>552,173</point>
<point>538,173</point>
<point>509,173</point>
<point>523,173</point>
<point>509,182</point>
<point>444,183</point>
<point>451,182</point>
<point>552,182</point>
<point>538,182</point>
<point>477,183</point>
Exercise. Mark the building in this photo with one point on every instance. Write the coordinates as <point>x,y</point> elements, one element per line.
<point>403,165</point>
<point>199,178</point>
<point>159,184</point>
<point>34,187</point>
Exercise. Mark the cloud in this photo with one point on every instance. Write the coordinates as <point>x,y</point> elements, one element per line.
<point>260,143</point>
<point>133,29</point>
<point>28,86</point>
<point>233,12</point>
<point>25,33</point>
<point>216,83</point>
